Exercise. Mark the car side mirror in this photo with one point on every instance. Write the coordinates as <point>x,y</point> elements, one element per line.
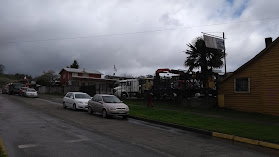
<point>100,102</point>
<point>72,97</point>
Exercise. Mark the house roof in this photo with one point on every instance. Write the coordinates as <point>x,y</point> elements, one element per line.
<point>81,71</point>
<point>264,51</point>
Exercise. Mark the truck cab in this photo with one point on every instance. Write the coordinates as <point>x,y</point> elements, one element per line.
<point>127,88</point>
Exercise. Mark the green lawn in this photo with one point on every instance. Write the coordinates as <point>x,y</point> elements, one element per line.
<point>1,153</point>
<point>250,125</point>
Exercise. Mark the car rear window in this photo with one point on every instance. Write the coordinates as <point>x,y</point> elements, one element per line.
<point>111,99</point>
<point>82,96</point>
<point>31,90</point>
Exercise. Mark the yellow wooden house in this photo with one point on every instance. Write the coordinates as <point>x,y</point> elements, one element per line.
<point>254,87</point>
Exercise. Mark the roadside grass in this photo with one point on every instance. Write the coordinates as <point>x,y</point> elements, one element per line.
<point>2,149</point>
<point>250,125</point>
<point>1,153</point>
<point>210,112</point>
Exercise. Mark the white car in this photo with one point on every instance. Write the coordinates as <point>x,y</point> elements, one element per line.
<point>31,92</point>
<point>76,100</point>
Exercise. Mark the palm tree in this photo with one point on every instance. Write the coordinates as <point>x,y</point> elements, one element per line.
<point>199,56</point>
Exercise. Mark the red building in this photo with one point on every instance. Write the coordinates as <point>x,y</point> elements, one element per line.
<point>70,76</point>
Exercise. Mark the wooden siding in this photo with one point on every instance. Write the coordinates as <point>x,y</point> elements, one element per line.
<point>264,85</point>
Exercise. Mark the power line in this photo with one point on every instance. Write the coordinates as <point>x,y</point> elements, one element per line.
<point>134,33</point>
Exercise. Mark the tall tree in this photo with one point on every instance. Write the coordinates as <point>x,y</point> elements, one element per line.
<point>199,56</point>
<point>2,68</point>
<point>74,65</point>
<point>48,78</point>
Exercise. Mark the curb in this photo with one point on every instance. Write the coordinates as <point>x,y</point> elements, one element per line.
<point>214,134</point>
<point>205,132</point>
<point>246,140</point>
<point>3,147</point>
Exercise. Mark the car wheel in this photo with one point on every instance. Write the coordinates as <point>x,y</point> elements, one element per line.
<point>90,111</point>
<point>64,105</point>
<point>124,96</point>
<point>74,107</point>
<point>104,113</point>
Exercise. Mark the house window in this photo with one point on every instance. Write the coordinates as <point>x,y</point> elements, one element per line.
<point>242,85</point>
<point>85,75</point>
<point>64,76</point>
<point>74,74</point>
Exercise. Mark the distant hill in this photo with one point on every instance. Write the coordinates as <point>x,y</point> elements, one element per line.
<point>9,78</point>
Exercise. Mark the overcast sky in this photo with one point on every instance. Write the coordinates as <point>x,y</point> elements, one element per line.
<point>137,36</point>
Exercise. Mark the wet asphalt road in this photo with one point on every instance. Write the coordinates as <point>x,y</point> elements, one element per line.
<point>27,132</point>
<point>37,127</point>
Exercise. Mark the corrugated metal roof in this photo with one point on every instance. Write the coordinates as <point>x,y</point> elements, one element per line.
<point>82,71</point>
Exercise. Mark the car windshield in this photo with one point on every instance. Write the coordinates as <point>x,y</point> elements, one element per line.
<point>31,90</point>
<point>82,96</point>
<point>111,99</point>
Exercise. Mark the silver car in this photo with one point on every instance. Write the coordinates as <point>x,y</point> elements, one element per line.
<point>76,100</point>
<point>108,105</point>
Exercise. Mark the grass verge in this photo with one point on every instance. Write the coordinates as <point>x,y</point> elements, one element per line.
<point>1,153</point>
<point>249,125</point>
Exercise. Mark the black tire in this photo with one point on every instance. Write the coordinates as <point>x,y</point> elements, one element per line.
<point>64,105</point>
<point>90,111</point>
<point>124,96</point>
<point>74,107</point>
<point>104,113</point>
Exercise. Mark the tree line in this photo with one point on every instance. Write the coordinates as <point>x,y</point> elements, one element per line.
<point>47,78</point>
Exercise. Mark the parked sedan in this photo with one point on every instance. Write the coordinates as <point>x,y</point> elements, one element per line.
<point>108,105</point>
<point>31,92</point>
<point>5,89</point>
<point>76,100</point>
